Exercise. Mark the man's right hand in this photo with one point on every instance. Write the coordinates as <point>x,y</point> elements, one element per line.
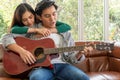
<point>27,57</point>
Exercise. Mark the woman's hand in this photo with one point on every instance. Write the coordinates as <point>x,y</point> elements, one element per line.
<point>40,31</point>
<point>43,31</point>
<point>46,31</point>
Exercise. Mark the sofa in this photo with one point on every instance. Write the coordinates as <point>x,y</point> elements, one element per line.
<point>98,65</point>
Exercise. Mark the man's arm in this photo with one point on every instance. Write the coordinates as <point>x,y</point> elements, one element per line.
<point>9,43</point>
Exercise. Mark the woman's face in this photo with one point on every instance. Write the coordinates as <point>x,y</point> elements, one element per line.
<point>49,17</point>
<point>28,19</point>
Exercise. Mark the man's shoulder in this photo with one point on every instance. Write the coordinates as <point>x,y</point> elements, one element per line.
<point>38,25</point>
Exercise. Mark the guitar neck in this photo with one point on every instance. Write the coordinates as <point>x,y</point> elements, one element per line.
<point>63,49</point>
<point>101,46</point>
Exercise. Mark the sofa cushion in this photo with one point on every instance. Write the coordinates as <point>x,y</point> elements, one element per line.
<point>5,78</point>
<point>83,65</point>
<point>114,64</point>
<point>106,75</point>
<point>2,71</point>
<point>98,64</point>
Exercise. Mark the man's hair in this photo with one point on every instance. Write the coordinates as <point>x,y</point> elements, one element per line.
<point>43,5</point>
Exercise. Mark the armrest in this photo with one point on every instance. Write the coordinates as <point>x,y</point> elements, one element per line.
<point>116,51</point>
<point>1,52</point>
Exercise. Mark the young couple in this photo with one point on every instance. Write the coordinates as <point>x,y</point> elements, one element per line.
<point>38,24</point>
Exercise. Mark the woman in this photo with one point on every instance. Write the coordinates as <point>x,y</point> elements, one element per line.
<point>20,26</point>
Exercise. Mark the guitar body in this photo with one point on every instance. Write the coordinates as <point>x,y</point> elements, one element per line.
<point>14,65</point>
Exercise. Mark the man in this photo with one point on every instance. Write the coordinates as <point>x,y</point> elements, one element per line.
<point>62,70</point>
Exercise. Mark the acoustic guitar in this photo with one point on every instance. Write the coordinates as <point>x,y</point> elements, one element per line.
<point>41,49</point>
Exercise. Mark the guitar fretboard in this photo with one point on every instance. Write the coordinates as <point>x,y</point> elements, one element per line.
<point>63,49</point>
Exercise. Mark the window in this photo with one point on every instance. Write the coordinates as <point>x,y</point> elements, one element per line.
<point>93,19</point>
<point>99,20</point>
<point>6,12</point>
<point>89,19</point>
<point>114,16</point>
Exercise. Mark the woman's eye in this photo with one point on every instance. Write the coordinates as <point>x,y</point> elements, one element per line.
<point>30,17</point>
<point>24,20</point>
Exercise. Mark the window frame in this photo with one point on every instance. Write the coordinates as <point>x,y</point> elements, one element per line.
<point>105,21</point>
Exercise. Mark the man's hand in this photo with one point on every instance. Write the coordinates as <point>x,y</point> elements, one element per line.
<point>27,57</point>
<point>87,48</point>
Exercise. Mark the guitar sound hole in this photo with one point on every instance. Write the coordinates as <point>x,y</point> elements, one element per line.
<point>38,52</point>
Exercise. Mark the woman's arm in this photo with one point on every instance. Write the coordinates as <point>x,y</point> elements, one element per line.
<point>23,30</point>
<point>60,28</point>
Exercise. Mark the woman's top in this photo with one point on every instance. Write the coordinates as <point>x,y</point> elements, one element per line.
<point>60,26</point>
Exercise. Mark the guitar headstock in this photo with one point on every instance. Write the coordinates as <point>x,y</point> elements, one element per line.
<point>105,46</point>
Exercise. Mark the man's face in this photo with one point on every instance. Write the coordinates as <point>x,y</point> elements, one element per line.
<point>49,17</point>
